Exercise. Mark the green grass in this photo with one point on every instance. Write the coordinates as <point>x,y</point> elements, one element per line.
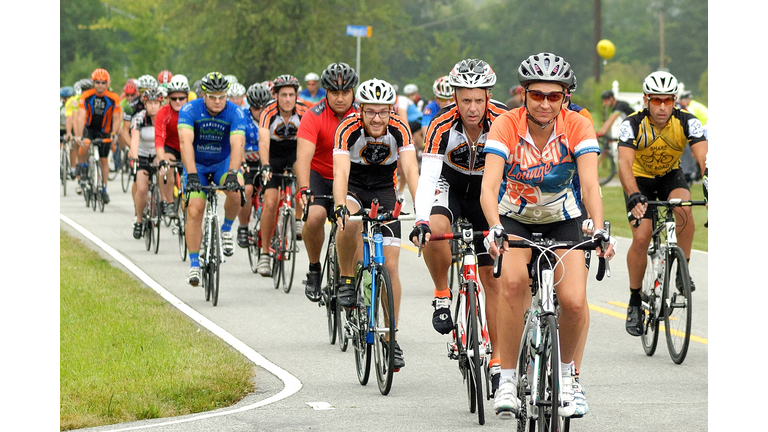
<point>614,210</point>
<point>126,354</point>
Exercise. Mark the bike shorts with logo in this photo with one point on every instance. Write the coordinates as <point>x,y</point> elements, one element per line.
<point>659,188</point>
<point>217,172</point>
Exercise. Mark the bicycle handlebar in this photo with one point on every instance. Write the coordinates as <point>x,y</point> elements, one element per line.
<point>674,202</point>
<point>311,198</point>
<point>373,216</point>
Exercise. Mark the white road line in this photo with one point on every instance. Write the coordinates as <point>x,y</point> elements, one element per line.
<point>292,384</point>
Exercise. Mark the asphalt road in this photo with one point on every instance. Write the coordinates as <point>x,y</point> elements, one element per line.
<point>627,390</point>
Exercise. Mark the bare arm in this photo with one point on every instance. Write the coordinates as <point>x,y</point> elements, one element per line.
<point>627,178</point>
<point>608,123</point>
<point>410,166</point>
<point>700,150</point>
<point>133,153</point>
<point>489,193</point>
<point>305,151</point>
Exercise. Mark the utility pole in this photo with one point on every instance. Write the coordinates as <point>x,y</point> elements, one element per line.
<point>598,30</point>
<point>661,37</point>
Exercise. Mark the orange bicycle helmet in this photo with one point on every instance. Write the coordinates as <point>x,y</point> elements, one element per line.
<point>164,77</point>
<point>100,75</point>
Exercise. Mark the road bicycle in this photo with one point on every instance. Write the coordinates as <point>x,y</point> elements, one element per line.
<point>64,150</point>
<point>150,219</point>
<point>334,312</point>
<point>371,323</point>
<point>470,341</point>
<point>608,160</point>
<point>254,224</point>
<point>115,152</point>
<point>94,184</point>
<point>456,259</point>
<point>178,220</point>
<point>125,170</point>
<point>210,248</point>
<point>283,245</point>
<point>666,290</point>
<point>538,370</point>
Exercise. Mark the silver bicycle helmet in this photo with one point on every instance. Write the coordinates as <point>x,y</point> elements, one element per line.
<point>146,82</point>
<point>236,90</point>
<point>214,82</point>
<point>258,95</point>
<point>660,82</point>
<point>442,88</point>
<point>545,67</point>
<point>376,91</point>
<point>472,73</point>
<point>336,72</point>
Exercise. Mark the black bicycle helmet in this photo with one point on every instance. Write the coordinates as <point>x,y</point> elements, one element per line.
<point>258,95</point>
<point>545,67</point>
<point>285,81</point>
<point>338,76</point>
<point>214,82</point>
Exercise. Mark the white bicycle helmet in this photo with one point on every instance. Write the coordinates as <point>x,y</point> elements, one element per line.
<point>660,82</point>
<point>236,90</point>
<point>231,78</point>
<point>376,91</point>
<point>145,82</point>
<point>472,73</point>
<point>311,77</point>
<point>442,88</point>
<point>410,89</point>
<point>545,67</point>
<point>178,83</point>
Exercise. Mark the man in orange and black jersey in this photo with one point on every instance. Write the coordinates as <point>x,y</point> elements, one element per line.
<point>314,161</point>
<point>651,143</point>
<point>278,126</point>
<point>452,167</point>
<point>368,146</point>
<point>98,117</point>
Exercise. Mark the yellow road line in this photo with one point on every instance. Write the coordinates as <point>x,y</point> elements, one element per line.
<point>623,316</point>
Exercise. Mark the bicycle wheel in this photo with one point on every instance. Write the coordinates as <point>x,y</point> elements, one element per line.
<point>327,291</point>
<point>358,324</point>
<point>99,187</point>
<point>214,263</point>
<point>606,165</point>
<point>94,182</point>
<point>677,304</point>
<point>154,212</point>
<point>474,357</point>
<point>181,222</point>
<point>652,306</point>
<point>525,422</point>
<point>254,249</point>
<point>341,316</point>
<point>384,330</point>
<point>549,377</point>
<point>113,167</point>
<point>125,173</point>
<point>146,224</point>
<point>288,251</point>
<point>64,169</point>
<point>205,257</point>
<point>277,247</point>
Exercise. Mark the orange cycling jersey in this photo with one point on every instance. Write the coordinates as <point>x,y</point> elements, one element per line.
<point>100,110</point>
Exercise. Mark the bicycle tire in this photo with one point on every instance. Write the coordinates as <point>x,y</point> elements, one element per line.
<point>549,377</point>
<point>606,164</point>
<point>277,242</point>
<point>147,230</point>
<point>112,172</point>
<point>86,193</point>
<point>254,249</point>
<point>99,186</point>
<point>384,326</point>
<point>327,293</point>
<point>214,263</point>
<point>651,287</point>
<point>288,250</point>
<point>341,316</point>
<point>154,217</point>
<point>95,193</point>
<point>677,304</point>
<point>525,422</point>
<point>205,253</point>
<point>64,169</point>
<point>474,358</point>
<point>181,232</point>
<point>359,330</point>
<point>125,173</point>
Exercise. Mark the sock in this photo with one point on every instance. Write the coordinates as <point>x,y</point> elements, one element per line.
<point>227,225</point>
<point>495,362</point>
<point>315,267</point>
<point>565,369</point>
<point>509,374</point>
<point>445,293</point>
<point>194,259</point>
<point>634,297</point>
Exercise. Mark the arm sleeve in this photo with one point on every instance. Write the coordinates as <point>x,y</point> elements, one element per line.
<point>431,167</point>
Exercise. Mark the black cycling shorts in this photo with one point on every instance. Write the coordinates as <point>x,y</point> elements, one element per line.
<point>251,176</point>
<point>567,230</point>
<point>278,166</point>
<point>104,147</point>
<point>659,188</point>
<point>387,198</point>
<point>144,162</point>
<point>320,185</point>
<point>172,151</point>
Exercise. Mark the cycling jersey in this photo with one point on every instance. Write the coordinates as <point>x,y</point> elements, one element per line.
<point>318,126</point>
<point>429,113</point>
<point>537,186</point>
<point>659,152</point>
<point>212,133</point>
<point>623,107</point>
<point>63,115</point>
<point>99,110</point>
<point>167,128</point>
<point>374,160</point>
<point>282,133</point>
<point>312,100</point>
<point>251,137</point>
<point>581,110</point>
<point>131,107</point>
<point>448,154</point>
<point>143,123</point>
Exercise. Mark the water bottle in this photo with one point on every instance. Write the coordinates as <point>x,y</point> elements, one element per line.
<point>367,288</point>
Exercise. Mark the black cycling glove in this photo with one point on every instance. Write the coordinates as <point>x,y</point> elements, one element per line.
<point>635,199</point>
<point>231,182</point>
<point>340,214</point>
<point>193,183</point>
<point>420,231</point>
<point>705,184</point>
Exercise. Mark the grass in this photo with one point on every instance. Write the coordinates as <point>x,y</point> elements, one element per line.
<point>614,210</point>
<point>126,354</point>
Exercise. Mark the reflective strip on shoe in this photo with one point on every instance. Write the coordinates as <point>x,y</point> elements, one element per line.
<point>506,403</point>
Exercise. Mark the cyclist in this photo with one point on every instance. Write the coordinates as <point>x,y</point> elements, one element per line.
<point>278,126</point>
<point>314,160</point>
<point>65,94</point>
<point>99,117</point>
<point>369,144</point>
<point>236,94</point>
<point>143,149</point>
<point>443,96</point>
<point>68,98</point>
<point>532,153</point>
<point>313,93</point>
<point>80,86</point>
<point>167,136</point>
<point>618,109</point>
<point>516,95</point>
<point>133,104</point>
<point>212,139</point>
<point>650,146</point>
<point>258,96</point>
<point>449,187</point>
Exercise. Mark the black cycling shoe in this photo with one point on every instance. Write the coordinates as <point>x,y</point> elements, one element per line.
<point>399,361</point>
<point>242,236</point>
<point>105,196</point>
<point>137,230</point>
<point>634,325</point>
<point>347,297</point>
<point>441,318</point>
<point>312,286</point>
<point>679,283</point>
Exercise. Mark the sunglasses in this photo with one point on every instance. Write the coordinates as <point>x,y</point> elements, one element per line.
<point>551,96</point>
<point>217,98</point>
<point>177,99</point>
<point>99,82</point>
<point>658,101</point>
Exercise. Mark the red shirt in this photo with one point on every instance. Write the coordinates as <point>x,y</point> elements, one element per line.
<point>318,126</point>
<point>166,133</point>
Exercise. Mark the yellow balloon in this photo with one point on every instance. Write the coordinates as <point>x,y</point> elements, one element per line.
<point>606,49</point>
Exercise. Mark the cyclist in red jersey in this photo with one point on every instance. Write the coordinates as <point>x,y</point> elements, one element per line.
<point>314,160</point>
<point>167,135</point>
<point>98,117</point>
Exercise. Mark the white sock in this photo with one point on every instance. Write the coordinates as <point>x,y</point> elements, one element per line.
<point>509,374</point>
<point>565,369</point>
